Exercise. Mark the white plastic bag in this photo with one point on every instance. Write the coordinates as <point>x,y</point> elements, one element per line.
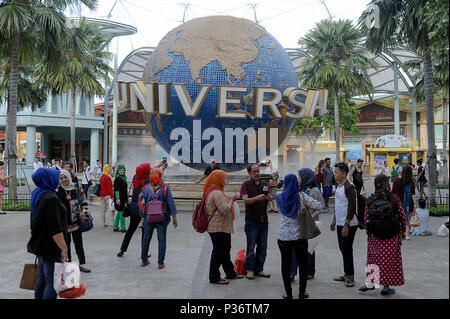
<point>443,230</point>
<point>66,276</point>
<point>111,205</point>
<point>313,242</point>
<point>237,211</point>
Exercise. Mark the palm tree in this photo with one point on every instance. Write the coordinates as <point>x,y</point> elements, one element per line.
<point>31,29</point>
<point>85,66</point>
<point>336,62</point>
<point>403,21</point>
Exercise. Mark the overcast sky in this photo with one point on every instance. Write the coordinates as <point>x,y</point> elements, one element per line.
<point>286,20</point>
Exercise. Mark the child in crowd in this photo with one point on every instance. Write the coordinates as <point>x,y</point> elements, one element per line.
<point>423,214</point>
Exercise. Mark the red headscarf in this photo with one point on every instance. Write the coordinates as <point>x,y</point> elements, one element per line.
<point>142,172</point>
<point>155,176</point>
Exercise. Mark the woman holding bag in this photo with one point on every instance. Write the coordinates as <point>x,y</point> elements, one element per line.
<point>120,198</point>
<point>106,193</point>
<point>219,209</point>
<point>70,197</point>
<point>48,230</point>
<point>291,205</point>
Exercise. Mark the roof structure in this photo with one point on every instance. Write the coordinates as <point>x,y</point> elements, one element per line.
<point>382,79</point>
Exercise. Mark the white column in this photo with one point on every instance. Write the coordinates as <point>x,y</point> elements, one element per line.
<point>31,144</point>
<point>95,142</point>
<point>114,136</point>
<point>396,102</point>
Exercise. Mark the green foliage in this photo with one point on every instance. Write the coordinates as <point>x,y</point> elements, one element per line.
<point>437,20</point>
<point>313,127</point>
<point>21,206</point>
<point>438,210</point>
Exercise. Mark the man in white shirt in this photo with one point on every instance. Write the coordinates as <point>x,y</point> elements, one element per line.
<point>37,164</point>
<point>98,169</point>
<point>87,176</point>
<point>346,220</point>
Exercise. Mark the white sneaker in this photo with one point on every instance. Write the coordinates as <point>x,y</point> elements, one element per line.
<point>250,275</point>
<point>407,237</point>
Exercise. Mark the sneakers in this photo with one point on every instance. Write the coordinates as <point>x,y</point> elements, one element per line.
<point>2,212</point>
<point>407,237</point>
<point>84,269</point>
<point>250,275</point>
<point>263,274</point>
<point>120,254</point>
<point>145,264</point>
<point>161,266</point>
<point>115,229</point>
<point>387,292</point>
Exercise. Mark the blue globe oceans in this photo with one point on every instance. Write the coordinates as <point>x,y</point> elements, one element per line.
<point>218,50</point>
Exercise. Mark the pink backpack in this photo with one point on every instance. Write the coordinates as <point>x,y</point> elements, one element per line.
<point>154,209</point>
<point>199,220</point>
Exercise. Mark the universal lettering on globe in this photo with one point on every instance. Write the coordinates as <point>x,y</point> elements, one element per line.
<point>228,93</point>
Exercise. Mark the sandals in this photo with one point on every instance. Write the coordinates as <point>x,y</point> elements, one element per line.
<point>235,277</point>
<point>349,283</point>
<point>339,278</point>
<point>221,282</point>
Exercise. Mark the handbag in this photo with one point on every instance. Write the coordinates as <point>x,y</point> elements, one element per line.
<point>66,276</point>
<point>96,190</point>
<point>308,227</point>
<point>87,223</point>
<point>414,221</point>
<point>29,276</point>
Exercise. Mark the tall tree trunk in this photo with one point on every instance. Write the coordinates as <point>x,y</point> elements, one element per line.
<point>444,139</point>
<point>336,127</point>
<point>12,115</point>
<point>429,102</point>
<point>73,159</point>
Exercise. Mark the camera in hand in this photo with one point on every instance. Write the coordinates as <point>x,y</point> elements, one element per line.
<point>266,190</point>
<point>280,184</point>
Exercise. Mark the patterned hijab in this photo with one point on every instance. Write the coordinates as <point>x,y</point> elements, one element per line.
<point>308,180</point>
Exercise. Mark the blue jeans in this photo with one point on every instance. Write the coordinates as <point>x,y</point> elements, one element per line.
<point>256,236</point>
<point>44,284</point>
<point>161,229</point>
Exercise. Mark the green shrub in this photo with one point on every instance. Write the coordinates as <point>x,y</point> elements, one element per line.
<point>442,186</point>
<point>438,210</point>
<point>21,206</point>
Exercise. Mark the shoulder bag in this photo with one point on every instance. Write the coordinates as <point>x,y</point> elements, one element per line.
<point>308,227</point>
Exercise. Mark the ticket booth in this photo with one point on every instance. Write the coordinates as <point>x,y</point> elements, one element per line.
<point>389,147</point>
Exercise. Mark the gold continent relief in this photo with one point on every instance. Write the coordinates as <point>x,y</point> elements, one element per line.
<point>229,40</point>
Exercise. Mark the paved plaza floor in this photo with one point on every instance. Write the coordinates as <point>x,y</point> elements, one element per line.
<point>425,262</point>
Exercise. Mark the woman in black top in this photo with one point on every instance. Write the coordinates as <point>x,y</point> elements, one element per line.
<point>48,230</point>
<point>74,204</point>
<point>139,180</point>
<point>120,198</point>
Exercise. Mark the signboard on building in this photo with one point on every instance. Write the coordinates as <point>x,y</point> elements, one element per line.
<point>376,131</point>
<point>378,113</point>
<point>378,163</point>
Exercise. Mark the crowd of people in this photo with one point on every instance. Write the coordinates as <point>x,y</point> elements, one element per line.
<point>59,203</point>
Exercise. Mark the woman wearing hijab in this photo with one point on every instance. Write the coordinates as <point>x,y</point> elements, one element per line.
<point>106,193</point>
<point>219,209</point>
<point>289,204</point>
<point>160,191</point>
<point>141,179</point>
<point>70,197</point>
<point>48,230</point>
<point>308,184</point>
<point>120,198</point>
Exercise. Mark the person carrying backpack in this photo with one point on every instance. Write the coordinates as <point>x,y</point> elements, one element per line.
<point>219,211</point>
<point>157,205</point>
<point>386,228</point>
<point>396,170</point>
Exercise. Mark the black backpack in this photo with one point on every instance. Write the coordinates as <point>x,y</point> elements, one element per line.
<point>383,222</point>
